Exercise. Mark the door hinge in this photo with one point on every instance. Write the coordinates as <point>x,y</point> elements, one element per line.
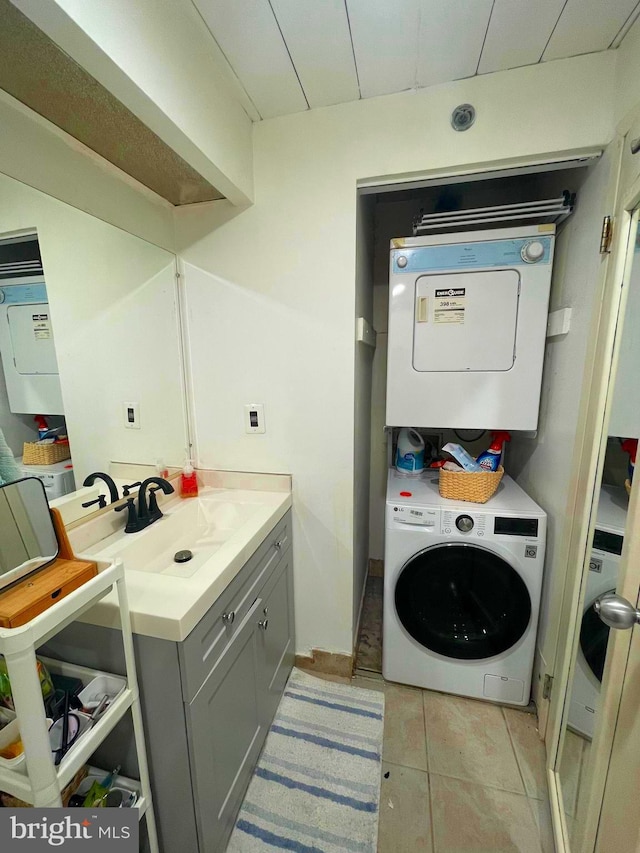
<point>606,235</point>
<point>547,686</point>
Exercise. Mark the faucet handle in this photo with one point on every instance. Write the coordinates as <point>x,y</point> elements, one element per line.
<point>101,500</point>
<point>126,490</point>
<point>133,522</point>
<point>154,510</point>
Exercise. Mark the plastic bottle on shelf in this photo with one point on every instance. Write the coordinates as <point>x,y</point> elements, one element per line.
<point>630,446</point>
<point>491,458</point>
<point>188,481</point>
<point>43,426</point>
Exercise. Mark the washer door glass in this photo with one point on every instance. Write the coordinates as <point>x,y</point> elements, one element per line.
<point>462,601</point>
<point>594,636</point>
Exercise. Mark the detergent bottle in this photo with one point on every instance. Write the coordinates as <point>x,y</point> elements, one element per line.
<point>410,453</point>
<point>630,446</point>
<point>492,457</point>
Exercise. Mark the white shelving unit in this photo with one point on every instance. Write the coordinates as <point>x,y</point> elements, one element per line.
<point>37,780</point>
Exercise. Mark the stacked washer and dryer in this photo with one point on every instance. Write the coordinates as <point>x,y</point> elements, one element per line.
<point>467,327</point>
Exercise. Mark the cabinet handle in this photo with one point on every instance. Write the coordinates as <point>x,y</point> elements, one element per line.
<point>228,618</point>
<point>265,611</point>
<point>264,624</point>
<point>278,545</point>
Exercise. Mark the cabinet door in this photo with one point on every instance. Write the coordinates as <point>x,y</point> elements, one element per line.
<point>225,735</point>
<point>275,639</point>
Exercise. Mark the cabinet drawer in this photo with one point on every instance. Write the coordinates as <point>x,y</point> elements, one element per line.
<point>204,645</point>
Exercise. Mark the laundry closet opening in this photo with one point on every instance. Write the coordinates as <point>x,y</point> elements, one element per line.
<point>538,457</point>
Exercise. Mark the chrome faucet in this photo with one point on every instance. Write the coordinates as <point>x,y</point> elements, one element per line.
<point>99,475</point>
<point>143,516</point>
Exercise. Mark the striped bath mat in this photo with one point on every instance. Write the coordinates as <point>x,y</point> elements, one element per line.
<point>316,788</point>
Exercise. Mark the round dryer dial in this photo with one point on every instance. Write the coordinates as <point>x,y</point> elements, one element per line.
<point>2,296</point>
<point>532,252</point>
<point>464,523</point>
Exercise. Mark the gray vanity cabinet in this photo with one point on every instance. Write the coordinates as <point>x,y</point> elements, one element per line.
<point>274,638</point>
<point>229,716</point>
<point>208,701</point>
<point>226,728</point>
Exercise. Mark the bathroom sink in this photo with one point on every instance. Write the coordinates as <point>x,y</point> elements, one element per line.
<point>201,525</point>
<point>222,527</point>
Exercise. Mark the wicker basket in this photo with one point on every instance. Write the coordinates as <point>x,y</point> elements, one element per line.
<point>474,486</point>
<point>11,802</point>
<point>45,454</point>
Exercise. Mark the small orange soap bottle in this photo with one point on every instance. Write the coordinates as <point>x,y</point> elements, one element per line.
<point>188,481</point>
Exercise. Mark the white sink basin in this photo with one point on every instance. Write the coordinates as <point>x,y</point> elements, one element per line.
<point>201,525</point>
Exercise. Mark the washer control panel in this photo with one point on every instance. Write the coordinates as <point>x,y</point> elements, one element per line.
<point>463,523</point>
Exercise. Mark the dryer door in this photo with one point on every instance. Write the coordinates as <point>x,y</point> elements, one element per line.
<point>462,601</point>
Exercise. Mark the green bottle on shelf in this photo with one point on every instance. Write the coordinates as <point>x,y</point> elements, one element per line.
<point>97,793</point>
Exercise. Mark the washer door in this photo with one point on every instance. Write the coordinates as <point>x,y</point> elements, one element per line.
<point>594,636</point>
<point>462,601</point>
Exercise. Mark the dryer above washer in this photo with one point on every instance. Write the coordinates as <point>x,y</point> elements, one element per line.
<point>467,325</point>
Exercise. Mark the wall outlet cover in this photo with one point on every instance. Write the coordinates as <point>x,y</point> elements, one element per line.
<point>131,413</point>
<point>254,418</point>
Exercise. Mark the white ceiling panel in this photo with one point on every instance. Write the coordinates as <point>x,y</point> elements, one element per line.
<point>518,33</point>
<point>587,25</point>
<point>319,41</point>
<point>385,41</point>
<point>248,34</point>
<point>451,37</point>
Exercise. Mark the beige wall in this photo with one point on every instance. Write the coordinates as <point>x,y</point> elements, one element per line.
<point>276,286</point>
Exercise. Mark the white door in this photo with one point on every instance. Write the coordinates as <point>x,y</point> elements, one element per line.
<point>595,764</point>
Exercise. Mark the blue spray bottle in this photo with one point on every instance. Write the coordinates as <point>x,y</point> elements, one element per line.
<point>492,457</point>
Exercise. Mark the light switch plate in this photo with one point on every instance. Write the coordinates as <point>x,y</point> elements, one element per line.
<point>131,414</point>
<point>254,418</point>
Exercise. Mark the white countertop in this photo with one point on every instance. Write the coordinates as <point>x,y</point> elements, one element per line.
<point>167,600</point>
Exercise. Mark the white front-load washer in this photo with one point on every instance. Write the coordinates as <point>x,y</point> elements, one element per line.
<point>462,589</point>
<point>604,564</point>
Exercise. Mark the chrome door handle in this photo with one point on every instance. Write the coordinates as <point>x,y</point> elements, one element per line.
<point>264,624</point>
<point>228,618</point>
<point>616,612</point>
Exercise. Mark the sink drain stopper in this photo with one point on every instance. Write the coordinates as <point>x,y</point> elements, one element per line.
<point>183,556</point>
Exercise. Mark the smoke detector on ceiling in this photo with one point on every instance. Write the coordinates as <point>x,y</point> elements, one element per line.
<point>463,117</point>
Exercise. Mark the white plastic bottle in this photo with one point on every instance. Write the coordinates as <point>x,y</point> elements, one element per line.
<point>410,453</point>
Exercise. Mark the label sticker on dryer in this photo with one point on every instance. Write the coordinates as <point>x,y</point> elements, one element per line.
<point>449,305</point>
<point>41,327</point>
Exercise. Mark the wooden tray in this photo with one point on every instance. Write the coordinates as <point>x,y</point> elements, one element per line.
<point>37,592</point>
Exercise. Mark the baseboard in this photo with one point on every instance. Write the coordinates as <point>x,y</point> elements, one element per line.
<point>329,663</point>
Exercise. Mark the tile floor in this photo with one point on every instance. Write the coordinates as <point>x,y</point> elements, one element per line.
<point>458,775</point>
